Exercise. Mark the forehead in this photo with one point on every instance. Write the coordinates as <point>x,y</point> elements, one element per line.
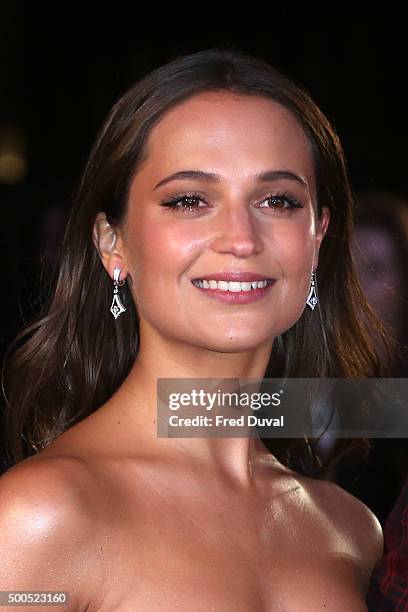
<point>231,134</point>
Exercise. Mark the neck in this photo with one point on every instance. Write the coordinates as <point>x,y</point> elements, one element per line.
<point>138,397</point>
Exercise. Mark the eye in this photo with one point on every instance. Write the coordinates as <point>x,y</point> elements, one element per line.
<point>188,203</point>
<point>281,202</point>
<point>185,203</point>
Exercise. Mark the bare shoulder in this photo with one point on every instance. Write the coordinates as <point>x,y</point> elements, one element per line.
<point>350,517</point>
<point>342,523</point>
<point>45,481</point>
<point>45,527</point>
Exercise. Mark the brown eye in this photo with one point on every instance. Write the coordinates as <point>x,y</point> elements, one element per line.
<point>282,202</point>
<point>184,202</point>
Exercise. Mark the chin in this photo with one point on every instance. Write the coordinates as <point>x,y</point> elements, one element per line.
<point>234,342</point>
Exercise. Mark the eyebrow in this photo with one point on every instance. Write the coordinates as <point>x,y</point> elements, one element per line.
<point>210,177</point>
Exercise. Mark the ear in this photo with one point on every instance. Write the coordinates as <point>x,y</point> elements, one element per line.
<point>108,243</point>
<point>321,229</point>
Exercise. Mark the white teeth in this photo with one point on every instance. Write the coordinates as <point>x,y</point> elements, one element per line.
<point>233,286</point>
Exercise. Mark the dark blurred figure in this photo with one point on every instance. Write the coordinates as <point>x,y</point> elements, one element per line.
<point>388,589</point>
<point>381,256</point>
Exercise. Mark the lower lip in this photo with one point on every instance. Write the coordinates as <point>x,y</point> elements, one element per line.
<point>237,297</point>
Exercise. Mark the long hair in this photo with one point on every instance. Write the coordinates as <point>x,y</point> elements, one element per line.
<point>72,359</point>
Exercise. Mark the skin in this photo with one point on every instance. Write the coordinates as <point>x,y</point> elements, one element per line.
<point>128,521</point>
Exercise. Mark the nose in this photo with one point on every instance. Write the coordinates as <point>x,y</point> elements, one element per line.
<point>237,232</point>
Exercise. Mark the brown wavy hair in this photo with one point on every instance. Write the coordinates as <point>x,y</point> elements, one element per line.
<point>74,356</point>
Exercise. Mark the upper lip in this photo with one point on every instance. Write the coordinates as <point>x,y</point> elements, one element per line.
<point>234,276</point>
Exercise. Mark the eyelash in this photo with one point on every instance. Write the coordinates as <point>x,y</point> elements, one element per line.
<point>172,203</point>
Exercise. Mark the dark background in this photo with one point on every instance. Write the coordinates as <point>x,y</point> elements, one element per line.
<point>63,66</point>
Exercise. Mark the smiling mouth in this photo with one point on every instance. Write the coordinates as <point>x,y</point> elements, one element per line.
<point>233,286</point>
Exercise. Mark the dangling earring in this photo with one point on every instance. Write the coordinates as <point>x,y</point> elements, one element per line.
<point>117,307</point>
<point>312,298</point>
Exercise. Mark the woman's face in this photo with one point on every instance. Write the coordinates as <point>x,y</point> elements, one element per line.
<point>229,220</point>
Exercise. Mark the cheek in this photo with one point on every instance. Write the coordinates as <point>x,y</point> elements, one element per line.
<point>167,245</point>
<point>294,249</point>
<point>160,253</point>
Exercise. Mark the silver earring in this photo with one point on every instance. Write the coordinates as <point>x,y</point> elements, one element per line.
<point>312,298</point>
<point>117,307</point>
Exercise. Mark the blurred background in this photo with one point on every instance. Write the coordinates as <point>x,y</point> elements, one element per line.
<point>63,67</point>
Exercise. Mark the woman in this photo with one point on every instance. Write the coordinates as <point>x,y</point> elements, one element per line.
<point>213,167</point>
